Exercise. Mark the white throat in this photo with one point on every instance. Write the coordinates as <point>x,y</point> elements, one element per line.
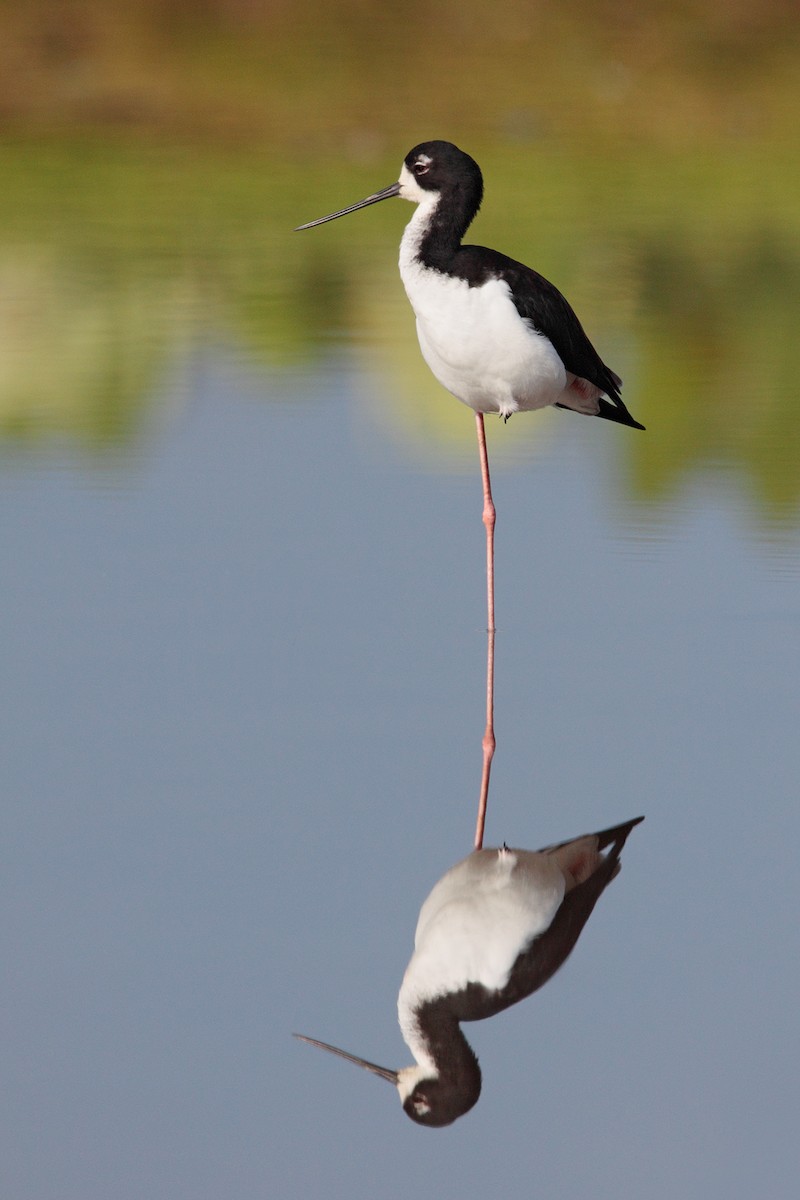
<point>409,1077</point>
<point>410,189</point>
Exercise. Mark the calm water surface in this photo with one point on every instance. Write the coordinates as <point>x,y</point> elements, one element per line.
<point>243,661</point>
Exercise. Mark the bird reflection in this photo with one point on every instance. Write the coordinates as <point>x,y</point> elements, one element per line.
<point>495,928</point>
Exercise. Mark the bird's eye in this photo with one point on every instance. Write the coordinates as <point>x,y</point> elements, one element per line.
<point>421,168</point>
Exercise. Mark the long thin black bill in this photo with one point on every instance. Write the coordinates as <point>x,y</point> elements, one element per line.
<point>384,1072</point>
<point>385,194</point>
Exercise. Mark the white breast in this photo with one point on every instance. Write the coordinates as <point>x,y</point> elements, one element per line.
<point>474,340</point>
<point>476,921</point>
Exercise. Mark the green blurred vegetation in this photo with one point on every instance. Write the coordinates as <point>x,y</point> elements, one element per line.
<point>155,157</point>
<point>297,73</point>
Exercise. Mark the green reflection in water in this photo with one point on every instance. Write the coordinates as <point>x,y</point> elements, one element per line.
<point>118,260</point>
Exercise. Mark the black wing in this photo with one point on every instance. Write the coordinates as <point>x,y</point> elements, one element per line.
<point>542,304</point>
<point>547,952</point>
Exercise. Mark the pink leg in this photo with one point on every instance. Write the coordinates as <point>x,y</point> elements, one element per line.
<point>488,519</point>
<point>488,736</point>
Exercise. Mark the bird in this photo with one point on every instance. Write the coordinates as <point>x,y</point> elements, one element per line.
<point>495,333</point>
<point>494,929</point>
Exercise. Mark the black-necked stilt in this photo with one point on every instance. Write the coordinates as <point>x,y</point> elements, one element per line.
<point>495,928</point>
<point>495,333</point>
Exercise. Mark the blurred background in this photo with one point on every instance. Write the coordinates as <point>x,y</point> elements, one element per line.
<point>242,598</point>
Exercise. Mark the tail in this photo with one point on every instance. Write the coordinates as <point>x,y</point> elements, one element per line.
<point>600,396</point>
<point>616,411</point>
<point>581,856</point>
<point>616,834</point>
<point>550,949</point>
<point>616,838</point>
<point>610,410</point>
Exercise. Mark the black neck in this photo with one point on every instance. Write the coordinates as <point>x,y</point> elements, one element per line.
<point>449,221</point>
<point>458,1084</point>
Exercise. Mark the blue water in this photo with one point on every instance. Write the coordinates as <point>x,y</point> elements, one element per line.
<point>243,662</point>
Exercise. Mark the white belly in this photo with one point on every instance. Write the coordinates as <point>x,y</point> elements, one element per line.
<point>474,924</point>
<point>478,346</point>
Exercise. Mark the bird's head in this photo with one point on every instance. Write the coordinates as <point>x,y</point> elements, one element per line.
<point>431,1099</point>
<point>429,171</point>
<point>433,169</point>
<point>427,1098</point>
